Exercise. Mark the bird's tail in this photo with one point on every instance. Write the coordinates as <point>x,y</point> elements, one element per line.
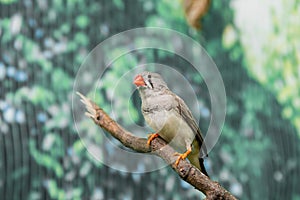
<point>202,168</point>
<point>197,162</point>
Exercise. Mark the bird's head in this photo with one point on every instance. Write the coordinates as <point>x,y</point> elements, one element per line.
<point>149,81</point>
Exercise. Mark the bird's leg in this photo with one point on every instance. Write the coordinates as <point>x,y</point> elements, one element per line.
<point>151,137</point>
<point>183,155</point>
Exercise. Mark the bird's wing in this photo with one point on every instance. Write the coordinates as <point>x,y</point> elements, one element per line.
<point>186,114</point>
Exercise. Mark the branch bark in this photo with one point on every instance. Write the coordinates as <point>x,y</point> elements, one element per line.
<point>158,147</point>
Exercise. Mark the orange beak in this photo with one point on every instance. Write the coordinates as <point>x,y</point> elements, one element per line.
<point>139,81</point>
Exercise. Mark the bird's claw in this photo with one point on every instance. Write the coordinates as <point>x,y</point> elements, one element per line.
<point>182,156</point>
<point>151,137</point>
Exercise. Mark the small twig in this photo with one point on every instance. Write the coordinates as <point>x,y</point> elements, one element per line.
<point>159,147</point>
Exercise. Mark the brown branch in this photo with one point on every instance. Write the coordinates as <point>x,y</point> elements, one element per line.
<point>159,147</point>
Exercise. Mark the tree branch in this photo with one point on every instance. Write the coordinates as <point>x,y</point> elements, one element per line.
<point>159,147</point>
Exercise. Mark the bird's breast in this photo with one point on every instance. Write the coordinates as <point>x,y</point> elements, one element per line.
<point>171,127</point>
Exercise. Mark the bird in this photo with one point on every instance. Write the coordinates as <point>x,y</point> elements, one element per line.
<point>170,118</point>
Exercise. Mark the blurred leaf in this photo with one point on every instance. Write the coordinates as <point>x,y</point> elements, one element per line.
<point>85,169</point>
<point>48,142</point>
<point>156,21</point>
<point>45,160</point>
<point>61,81</point>
<point>78,146</point>
<point>60,116</point>
<point>8,1</point>
<point>52,188</point>
<point>5,32</point>
<point>119,4</point>
<point>81,39</point>
<point>76,193</point>
<point>229,37</point>
<point>65,28</point>
<point>40,95</point>
<point>82,21</point>
<point>56,193</point>
<point>33,54</point>
<point>53,144</point>
<point>37,95</point>
<point>58,4</point>
<point>71,46</point>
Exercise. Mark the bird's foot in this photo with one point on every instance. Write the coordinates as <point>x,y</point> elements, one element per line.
<point>151,137</point>
<point>182,156</point>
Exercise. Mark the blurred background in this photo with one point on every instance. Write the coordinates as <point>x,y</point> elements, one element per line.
<point>255,45</point>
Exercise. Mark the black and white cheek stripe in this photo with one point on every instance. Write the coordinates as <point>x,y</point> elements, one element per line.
<point>149,82</point>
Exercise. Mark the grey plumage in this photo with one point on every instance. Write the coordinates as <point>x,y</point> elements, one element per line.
<point>170,117</point>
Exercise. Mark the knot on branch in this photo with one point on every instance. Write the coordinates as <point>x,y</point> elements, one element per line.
<point>184,171</point>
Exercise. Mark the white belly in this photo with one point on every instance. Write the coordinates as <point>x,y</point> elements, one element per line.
<point>172,128</point>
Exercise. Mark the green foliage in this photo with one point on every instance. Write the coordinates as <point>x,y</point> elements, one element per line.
<point>168,11</point>
<point>81,38</point>
<point>48,161</point>
<point>256,146</point>
<point>37,95</point>
<point>78,146</point>
<point>32,53</point>
<point>119,67</point>
<point>60,194</point>
<point>8,1</point>
<point>5,24</point>
<point>61,81</point>
<point>82,21</point>
<point>119,4</point>
<point>278,70</point>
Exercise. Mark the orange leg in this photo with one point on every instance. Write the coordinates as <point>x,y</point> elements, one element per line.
<point>182,156</point>
<point>151,137</point>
